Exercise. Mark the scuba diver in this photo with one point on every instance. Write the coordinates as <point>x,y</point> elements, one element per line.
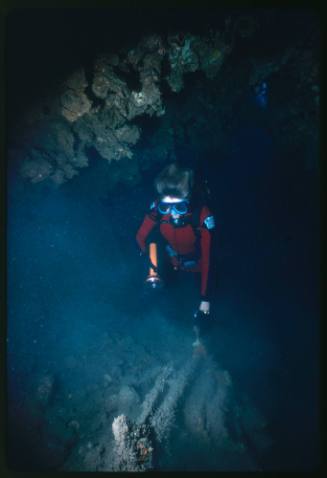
<point>177,230</point>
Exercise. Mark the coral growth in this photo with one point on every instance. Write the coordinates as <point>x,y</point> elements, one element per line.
<point>74,101</point>
<point>97,110</point>
<point>133,450</point>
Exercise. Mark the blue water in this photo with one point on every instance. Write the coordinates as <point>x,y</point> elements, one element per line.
<point>74,275</point>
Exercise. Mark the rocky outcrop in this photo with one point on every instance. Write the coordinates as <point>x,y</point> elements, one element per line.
<point>74,101</point>
<point>100,107</point>
<point>95,109</point>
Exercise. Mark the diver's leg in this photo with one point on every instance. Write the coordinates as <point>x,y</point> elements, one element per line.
<point>184,295</point>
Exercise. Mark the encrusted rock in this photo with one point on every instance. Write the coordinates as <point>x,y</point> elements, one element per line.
<point>105,79</point>
<point>133,448</point>
<point>61,132</point>
<point>128,134</point>
<point>74,101</point>
<point>35,167</point>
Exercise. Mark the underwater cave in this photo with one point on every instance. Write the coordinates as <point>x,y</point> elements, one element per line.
<point>106,372</point>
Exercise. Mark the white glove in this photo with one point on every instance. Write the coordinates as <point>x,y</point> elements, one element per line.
<point>204,307</point>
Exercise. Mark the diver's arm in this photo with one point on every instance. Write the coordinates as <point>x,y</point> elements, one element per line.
<point>206,230</point>
<point>146,227</point>
<point>144,230</point>
<point>205,263</point>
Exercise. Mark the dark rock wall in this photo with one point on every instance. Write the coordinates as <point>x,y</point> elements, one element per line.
<point>176,94</point>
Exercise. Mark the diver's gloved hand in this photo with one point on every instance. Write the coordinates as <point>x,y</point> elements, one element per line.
<point>205,307</point>
<point>203,310</point>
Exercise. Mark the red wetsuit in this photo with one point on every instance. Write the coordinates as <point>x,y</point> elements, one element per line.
<point>183,240</point>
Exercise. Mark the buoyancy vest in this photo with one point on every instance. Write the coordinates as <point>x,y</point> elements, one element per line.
<point>192,218</point>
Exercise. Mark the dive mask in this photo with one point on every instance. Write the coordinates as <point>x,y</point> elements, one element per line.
<point>173,207</point>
